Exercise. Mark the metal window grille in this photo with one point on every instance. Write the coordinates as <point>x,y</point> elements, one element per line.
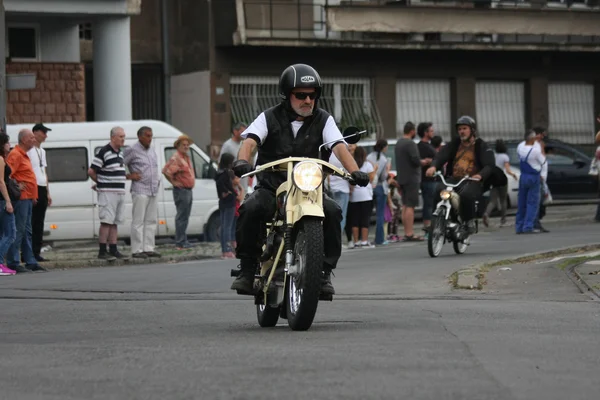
<point>424,101</point>
<point>348,100</point>
<point>500,109</point>
<point>571,112</point>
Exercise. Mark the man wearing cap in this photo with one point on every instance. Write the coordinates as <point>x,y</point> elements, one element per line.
<point>22,172</point>
<point>180,172</point>
<point>37,155</point>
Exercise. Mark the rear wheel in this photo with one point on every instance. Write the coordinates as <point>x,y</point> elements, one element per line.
<point>437,233</point>
<point>213,228</point>
<point>461,246</point>
<point>304,286</point>
<point>267,316</point>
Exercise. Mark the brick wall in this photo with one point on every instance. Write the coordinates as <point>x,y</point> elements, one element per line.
<point>59,95</point>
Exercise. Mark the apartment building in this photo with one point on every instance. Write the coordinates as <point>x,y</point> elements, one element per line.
<point>511,64</point>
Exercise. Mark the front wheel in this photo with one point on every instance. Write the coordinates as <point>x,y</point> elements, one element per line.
<point>437,233</point>
<point>304,287</point>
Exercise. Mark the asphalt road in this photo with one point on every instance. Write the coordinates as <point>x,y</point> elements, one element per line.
<point>395,331</point>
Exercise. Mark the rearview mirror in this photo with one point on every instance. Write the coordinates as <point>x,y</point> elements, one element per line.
<point>352,135</point>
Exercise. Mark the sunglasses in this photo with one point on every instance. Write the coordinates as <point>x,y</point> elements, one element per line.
<point>304,95</point>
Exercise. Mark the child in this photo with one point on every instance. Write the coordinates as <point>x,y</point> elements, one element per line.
<point>227,198</point>
<point>394,200</point>
<point>239,192</point>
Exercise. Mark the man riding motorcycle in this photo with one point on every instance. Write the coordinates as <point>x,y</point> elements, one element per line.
<point>294,128</point>
<point>465,155</point>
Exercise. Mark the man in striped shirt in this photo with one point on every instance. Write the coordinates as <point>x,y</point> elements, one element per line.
<point>108,171</point>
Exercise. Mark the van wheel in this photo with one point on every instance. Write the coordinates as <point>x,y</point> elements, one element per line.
<point>213,228</point>
<point>127,241</point>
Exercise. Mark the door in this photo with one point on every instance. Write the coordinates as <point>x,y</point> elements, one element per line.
<point>71,215</point>
<point>205,201</point>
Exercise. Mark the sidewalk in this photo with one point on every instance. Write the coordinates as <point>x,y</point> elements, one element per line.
<point>85,254</point>
<point>80,254</point>
<point>589,274</point>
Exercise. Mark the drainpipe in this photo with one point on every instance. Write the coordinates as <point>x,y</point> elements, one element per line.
<point>166,61</point>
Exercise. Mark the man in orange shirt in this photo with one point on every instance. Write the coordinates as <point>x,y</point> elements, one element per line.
<point>22,172</point>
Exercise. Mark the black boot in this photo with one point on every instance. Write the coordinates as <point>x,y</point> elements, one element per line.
<point>244,283</point>
<point>326,286</point>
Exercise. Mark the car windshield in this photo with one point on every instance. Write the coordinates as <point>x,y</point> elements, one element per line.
<point>391,154</point>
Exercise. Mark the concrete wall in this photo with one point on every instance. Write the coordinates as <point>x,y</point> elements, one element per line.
<point>191,106</point>
<point>59,95</point>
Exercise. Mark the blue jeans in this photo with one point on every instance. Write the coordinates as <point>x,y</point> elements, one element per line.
<point>183,204</point>
<point>342,199</point>
<point>22,243</point>
<point>8,230</point>
<point>380,201</point>
<point>227,215</point>
<point>528,203</point>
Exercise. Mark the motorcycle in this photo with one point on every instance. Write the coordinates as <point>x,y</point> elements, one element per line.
<point>445,222</point>
<point>288,282</point>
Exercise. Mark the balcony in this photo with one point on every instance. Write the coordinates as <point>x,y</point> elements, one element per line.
<point>421,24</point>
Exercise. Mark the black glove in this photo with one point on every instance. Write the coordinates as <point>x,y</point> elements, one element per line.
<point>241,167</point>
<point>360,178</point>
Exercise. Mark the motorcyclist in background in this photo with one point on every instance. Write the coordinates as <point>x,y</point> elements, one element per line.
<point>294,128</point>
<point>465,155</point>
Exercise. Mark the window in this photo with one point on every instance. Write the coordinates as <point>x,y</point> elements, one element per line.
<point>85,31</point>
<point>23,43</point>
<point>67,164</point>
<point>558,156</point>
<point>202,169</point>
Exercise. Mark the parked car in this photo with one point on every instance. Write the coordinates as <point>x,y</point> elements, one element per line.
<point>568,169</point>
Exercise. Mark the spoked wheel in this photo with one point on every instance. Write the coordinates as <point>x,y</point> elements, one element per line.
<point>437,233</point>
<point>461,246</point>
<point>304,286</point>
<point>267,316</point>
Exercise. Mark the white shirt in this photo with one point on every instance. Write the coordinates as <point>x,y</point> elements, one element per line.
<point>501,159</point>
<point>337,184</point>
<point>363,193</point>
<point>259,128</point>
<point>37,155</point>
<point>536,159</point>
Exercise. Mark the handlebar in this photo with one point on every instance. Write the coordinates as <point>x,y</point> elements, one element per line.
<point>454,185</point>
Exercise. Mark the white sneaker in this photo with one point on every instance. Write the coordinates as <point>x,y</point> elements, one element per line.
<point>351,245</point>
<point>367,245</point>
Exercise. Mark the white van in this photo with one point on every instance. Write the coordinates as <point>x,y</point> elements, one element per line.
<point>70,149</point>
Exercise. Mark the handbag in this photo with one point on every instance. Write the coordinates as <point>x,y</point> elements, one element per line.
<point>13,190</point>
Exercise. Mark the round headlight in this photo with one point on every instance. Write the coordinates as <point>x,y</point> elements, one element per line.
<point>445,195</point>
<point>307,176</point>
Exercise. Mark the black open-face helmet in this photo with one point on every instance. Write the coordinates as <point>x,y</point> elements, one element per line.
<point>469,121</point>
<point>299,76</point>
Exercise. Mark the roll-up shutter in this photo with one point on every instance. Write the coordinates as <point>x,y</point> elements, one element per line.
<point>571,112</point>
<point>424,101</point>
<point>500,110</point>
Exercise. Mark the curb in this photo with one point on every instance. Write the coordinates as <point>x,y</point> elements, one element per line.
<point>473,277</point>
<point>591,288</point>
<point>92,263</point>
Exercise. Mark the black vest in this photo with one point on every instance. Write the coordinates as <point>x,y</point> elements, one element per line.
<point>280,142</point>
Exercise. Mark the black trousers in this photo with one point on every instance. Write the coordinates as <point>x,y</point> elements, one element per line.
<point>259,208</point>
<point>469,193</point>
<point>37,220</point>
